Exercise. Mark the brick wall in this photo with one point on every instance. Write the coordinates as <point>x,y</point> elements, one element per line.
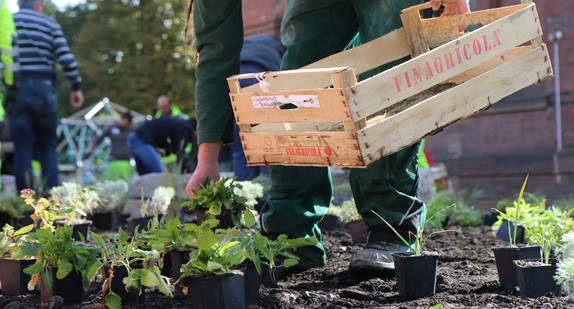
<point>262,16</point>
<point>495,149</point>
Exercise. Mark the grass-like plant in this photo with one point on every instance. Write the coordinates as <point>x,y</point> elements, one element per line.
<point>416,240</point>
<point>513,214</point>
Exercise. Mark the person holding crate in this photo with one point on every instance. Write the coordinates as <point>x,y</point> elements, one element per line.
<point>311,30</point>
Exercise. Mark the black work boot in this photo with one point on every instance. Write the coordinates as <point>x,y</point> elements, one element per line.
<point>375,260</point>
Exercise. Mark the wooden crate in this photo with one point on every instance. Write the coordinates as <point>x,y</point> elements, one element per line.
<point>320,116</point>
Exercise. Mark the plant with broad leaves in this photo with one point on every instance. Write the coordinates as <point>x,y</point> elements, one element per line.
<point>216,253</point>
<point>121,251</point>
<point>216,198</point>
<point>12,239</point>
<point>259,249</point>
<point>57,251</point>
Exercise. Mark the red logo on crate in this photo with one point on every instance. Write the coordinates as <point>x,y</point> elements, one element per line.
<point>305,146</point>
<point>447,61</point>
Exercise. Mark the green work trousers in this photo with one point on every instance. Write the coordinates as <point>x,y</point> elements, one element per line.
<point>300,196</point>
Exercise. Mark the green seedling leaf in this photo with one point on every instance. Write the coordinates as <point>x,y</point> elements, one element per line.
<point>248,218</point>
<point>24,230</point>
<point>64,268</point>
<point>34,269</point>
<point>290,262</point>
<point>207,241</point>
<point>113,300</point>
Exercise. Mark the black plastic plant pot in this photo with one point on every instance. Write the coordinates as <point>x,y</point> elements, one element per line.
<point>105,220</point>
<point>142,222</point>
<point>118,287</point>
<point>504,256</point>
<point>330,223</point>
<point>216,292</point>
<point>253,282</point>
<point>503,234</point>
<point>82,228</point>
<point>172,262</point>
<point>70,288</point>
<point>536,279</point>
<point>14,280</point>
<point>358,231</point>
<point>416,274</point>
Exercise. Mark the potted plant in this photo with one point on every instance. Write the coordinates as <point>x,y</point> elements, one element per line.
<point>126,270</point>
<point>12,209</point>
<point>152,209</point>
<point>264,256</point>
<point>565,267</point>
<point>63,267</point>
<point>536,276</point>
<point>113,195</point>
<point>74,204</point>
<point>348,214</point>
<point>13,260</point>
<point>504,256</point>
<point>220,200</point>
<point>416,270</point>
<point>174,241</point>
<point>211,277</point>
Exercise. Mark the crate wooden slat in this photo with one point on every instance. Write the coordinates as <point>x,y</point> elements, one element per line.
<point>339,121</point>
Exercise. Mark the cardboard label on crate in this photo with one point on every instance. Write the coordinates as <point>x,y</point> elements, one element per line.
<point>275,101</point>
<point>304,146</point>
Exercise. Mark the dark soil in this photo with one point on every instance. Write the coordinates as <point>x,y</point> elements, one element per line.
<point>466,278</point>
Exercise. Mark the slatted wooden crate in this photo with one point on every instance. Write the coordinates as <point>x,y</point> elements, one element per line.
<point>320,115</point>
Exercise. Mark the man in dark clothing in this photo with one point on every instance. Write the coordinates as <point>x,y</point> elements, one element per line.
<point>299,195</point>
<point>167,134</point>
<point>34,118</point>
<point>118,133</point>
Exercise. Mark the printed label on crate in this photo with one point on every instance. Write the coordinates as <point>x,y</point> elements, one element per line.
<point>304,146</point>
<point>276,101</point>
<point>486,46</point>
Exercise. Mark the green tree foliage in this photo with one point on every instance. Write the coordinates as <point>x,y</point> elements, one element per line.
<point>130,51</point>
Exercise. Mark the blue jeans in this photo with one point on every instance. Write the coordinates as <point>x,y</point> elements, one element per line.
<point>147,158</point>
<point>33,123</point>
<point>240,168</point>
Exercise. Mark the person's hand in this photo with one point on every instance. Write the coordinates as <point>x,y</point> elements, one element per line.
<point>207,166</point>
<point>452,8</point>
<point>76,99</point>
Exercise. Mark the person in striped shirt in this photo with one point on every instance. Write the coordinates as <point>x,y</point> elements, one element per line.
<point>33,120</point>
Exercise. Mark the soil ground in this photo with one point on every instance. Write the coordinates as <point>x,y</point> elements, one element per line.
<point>466,278</point>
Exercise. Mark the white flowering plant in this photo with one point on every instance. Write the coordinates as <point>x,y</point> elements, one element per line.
<point>565,271</point>
<point>113,194</point>
<point>249,190</point>
<point>161,199</point>
<point>347,211</point>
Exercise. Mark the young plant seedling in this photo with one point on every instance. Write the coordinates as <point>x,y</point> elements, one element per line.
<point>417,245</point>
